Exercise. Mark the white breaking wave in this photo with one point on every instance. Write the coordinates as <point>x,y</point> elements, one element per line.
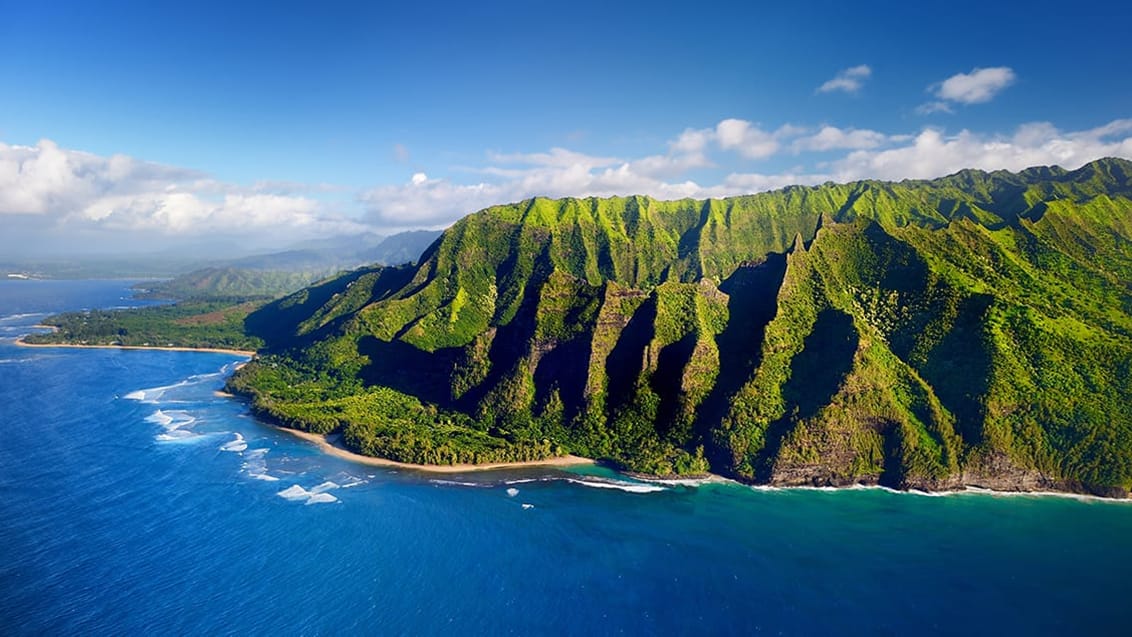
<point>177,435</point>
<point>631,487</point>
<point>153,394</point>
<point>321,498</point>
<point>457,483</point>
<point>255,465</point>
<point>622,486</point>
<point>171,420</point>
<point>317,495</point>
<point>17,317</point>
<point>528,506</point>
<point>239,444</point>
<point>159,418</point>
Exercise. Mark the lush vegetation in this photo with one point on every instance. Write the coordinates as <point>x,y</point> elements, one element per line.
<point>377,421</point>
<point>975,329</point>
<point>229,284</point>
<point>270,276</point>
<point>202,324</point>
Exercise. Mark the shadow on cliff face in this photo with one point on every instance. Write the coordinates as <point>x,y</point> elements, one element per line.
<point>752,304</point>
<point>278,323</point>
<point>667,382</point>
<point>408,369</point>
<point>626,361</point>
<point>959,368</point>
<point>565,368</point>
<point>816,373</point>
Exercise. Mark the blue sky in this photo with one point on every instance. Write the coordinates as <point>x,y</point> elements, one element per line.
<point>286,120</point>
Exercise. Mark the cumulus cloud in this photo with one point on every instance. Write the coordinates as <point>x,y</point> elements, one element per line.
<point>46,188</point>
<point>932,153</point>
<point>751,141</point>
<point>976,87</point>
<point>121,193</point>
<point>849,80</point>
<point>834,138</point>
<point>980,85</point>
<point>870,154</point>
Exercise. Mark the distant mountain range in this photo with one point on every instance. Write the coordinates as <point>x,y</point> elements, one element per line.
<point>274,274</point>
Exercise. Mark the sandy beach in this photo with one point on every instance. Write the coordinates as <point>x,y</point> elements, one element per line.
<point>234,352</point>
<point>333,446</point>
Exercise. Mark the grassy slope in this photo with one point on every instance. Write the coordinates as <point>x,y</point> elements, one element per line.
<point>970,330</point>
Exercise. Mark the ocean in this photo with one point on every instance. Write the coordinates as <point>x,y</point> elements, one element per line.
<point>134,500</point>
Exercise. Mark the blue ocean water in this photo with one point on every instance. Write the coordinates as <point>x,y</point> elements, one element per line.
<point>133,500</point>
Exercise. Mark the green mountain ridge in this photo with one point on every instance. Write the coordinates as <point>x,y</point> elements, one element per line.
<point>272,275</point>
<point>969,330</point>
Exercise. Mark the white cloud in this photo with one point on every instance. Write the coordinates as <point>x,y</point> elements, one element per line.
<point>742,183</point>
<point>76,189</point>
<point>556,157</point>
<point>834,138</point>
<point>46,189</point>
<point>751,141</point>
<point>692,141</point>
<point>934,154</point>
<point>976,87</point>
<point>872,154</point>
<point>927,108</point>
<point>849,80</point>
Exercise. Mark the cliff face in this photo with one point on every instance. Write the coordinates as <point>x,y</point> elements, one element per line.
<point>975,329</point>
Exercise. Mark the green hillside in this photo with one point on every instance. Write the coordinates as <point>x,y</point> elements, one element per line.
<point>970,330</point>
<point>272,275</point>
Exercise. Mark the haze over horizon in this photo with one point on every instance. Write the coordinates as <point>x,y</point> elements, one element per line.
<point>129,127</point>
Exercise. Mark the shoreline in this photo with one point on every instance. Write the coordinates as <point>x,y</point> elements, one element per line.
<point>219,350</point>
<point>332,445</point>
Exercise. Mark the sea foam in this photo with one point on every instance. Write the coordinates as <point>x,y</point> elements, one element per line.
<point>317,495</point>
<point>239,444</point>
<point>255,465</point>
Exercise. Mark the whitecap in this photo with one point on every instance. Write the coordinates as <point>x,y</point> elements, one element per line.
<point>317,495</point>
<point>294,492</point>
<point>255,465</point>
<point>528,506</point>
<point>172,420</point>
<point>457,483</point>
<point>324,487</point>
<point>321,498</point>
<point>512,492</point>
<point>17,317</point>
<point>622,486</point>
<point>159,418</point>
<point>239,444</point>
<point>178,435</point>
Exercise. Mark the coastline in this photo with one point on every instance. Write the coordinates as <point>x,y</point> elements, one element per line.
<point>235,352</point>
<point>332,444</point>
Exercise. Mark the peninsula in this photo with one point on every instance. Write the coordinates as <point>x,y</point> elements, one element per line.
<point>974,330</point>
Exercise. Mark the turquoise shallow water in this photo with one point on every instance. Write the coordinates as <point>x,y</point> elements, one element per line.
<point>133,500</point>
